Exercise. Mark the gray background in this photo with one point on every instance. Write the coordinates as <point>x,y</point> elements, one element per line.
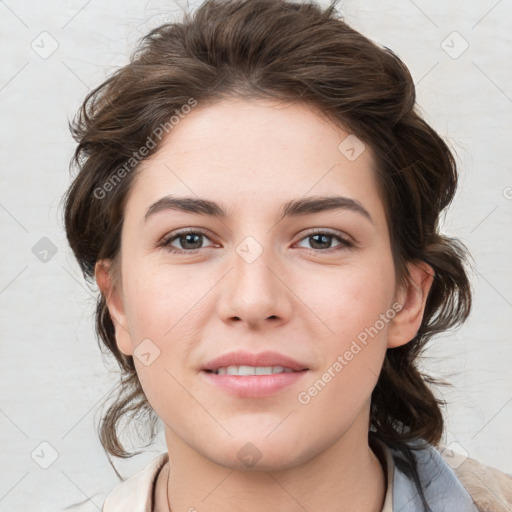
<point>52,375</point>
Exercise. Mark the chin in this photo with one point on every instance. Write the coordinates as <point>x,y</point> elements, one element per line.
<point>259,454</point>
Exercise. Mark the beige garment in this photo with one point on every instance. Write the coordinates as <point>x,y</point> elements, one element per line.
<point>136,494</point>
<point>489,488</point>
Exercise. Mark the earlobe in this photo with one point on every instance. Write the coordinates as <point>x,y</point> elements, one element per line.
<point>114,300</point>
<point>413,298</point>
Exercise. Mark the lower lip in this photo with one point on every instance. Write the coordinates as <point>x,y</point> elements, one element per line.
<point>254,385</point>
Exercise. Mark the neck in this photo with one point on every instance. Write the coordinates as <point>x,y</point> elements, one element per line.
<point>347,477</point>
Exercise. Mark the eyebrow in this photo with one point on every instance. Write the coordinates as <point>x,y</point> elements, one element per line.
<point>294,208</point>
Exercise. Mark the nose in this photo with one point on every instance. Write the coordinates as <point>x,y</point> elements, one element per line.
<point>255,290</point>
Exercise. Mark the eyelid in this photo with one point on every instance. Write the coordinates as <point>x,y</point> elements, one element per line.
<point>327,231</point>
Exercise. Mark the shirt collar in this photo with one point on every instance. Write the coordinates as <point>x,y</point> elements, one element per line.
<point>137,492</point>
<point>442,489</point>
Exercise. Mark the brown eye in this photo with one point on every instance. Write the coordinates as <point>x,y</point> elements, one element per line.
<point>322,241</point>
<point>188,241</point>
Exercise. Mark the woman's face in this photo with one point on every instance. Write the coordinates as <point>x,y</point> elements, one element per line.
<point>257,279</point>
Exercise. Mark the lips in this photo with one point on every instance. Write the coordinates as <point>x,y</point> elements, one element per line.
<point>262,359</point>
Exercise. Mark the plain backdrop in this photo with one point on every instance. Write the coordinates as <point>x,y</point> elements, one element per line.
<point>53,377</point>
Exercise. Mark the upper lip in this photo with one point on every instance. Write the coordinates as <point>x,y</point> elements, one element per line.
<point>241,358</point>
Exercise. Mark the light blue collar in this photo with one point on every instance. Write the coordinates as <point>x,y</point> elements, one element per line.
<point>441,487</point>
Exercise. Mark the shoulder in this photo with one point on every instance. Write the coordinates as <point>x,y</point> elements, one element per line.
<point>489,488</point>
<point>449,482</point>
<point>441,489</point>
<point>136,493</point>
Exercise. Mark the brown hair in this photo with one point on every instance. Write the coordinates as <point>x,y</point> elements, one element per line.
<point>290,52</point>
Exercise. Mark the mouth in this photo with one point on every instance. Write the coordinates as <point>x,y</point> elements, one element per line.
<point>248,375</point>
<point>245,370</point>
<point>253,381</point>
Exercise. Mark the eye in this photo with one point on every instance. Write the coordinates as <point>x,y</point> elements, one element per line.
<point>190,240</point>
<point>322,240</point>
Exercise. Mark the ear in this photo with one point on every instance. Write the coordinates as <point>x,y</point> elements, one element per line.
<point>412,297</point>
<point>114,299</point>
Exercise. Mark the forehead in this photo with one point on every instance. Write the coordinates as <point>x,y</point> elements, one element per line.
<point>251,151</point>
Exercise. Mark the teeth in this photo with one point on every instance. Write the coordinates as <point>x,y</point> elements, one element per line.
<point>252,370</point>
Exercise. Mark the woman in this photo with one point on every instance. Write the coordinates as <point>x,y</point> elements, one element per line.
<point>258,202</point>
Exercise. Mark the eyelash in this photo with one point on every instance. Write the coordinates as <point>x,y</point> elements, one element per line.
<point>344,243</point>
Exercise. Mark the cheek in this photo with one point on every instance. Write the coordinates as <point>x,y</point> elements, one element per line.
<point>354,297</point>
<point>164,309</point>
<point>357,310</point>
<point>356,307</point>
<point>161,301</point>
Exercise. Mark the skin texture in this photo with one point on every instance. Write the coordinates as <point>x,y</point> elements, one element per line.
<point>306,298</point>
